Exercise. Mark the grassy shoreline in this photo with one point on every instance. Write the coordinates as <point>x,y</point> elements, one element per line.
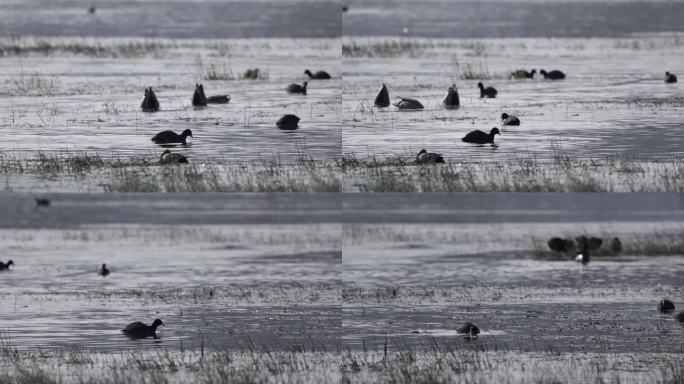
<point>83,171</point>
<point>560,173</point>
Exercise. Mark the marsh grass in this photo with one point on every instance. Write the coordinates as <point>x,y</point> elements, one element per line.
<point>560,173</point>
<point>244,364</point>
<point>145,174</point>
<point>446,364</point>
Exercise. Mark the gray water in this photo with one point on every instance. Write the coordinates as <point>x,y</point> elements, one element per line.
<point>175,19</point>
<point>221,270</point>
<point>427,264</point>
<point>535,18</point>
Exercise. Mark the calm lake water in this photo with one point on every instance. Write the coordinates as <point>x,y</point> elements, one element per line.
<point>226,269</point>
<point>174,19</point>
<point>613,101</point>
<point>515,18</point>
<point>436,263</point>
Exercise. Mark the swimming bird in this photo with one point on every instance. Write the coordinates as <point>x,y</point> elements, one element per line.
<point>172,158</point>
<point>680,317</point>
<point>583,256</point>
<point>451,100</point>
<point>103,271</point>
<point>553,75</point>
<point>469,329</point>
<point>616,245</point>
<point>320,75</point>
<point>487,92</point>
<point>670,77</point>
<point>218,99</point>
<point>560,245</point>
<point>150,102</point>
<point>171,137</point>
<point>509,120</point>
<point>296,88</point>
<point>199,99</point>
<point>5,266</point>
<point>288,122</point>
<point>666,306</point>
<point>382,99</point>
<point>408,104</point>
<point>42,202</point>
<point>523,74</point>
<point>425,157</point>
<point>479,137</point>
<point>140,330</point>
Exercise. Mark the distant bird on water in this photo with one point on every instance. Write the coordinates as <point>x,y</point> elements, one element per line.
<point>288,122</point>
<point>406,103</point>
<point>5,266</point>
<point>489,92</point>
<point>451,100</point>
<point>171,137</point>
<point>616,245</point>
<point>382,99</point>
<point>320,75</point>
<point>103,271</point>
<point>296,88</point>
<point>509,120</point>
<point>670,77</point>
<point>553,75</point>
<point>479,137</point>
<point>150,102</point>
<point>140,330</point>
<point>425,157</point>
<point>42,202</point>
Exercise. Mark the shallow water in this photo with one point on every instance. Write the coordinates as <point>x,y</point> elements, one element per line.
<point>224,268</point>
<point>430,265</point>
<point>613,102</point>
<point>66,102</point>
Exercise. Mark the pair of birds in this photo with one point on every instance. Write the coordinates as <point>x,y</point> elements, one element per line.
<point>150,102</point>
<point>382,100</point>
<point>475,137</point>
<point>523,74</point>
<point>667,306</point>
<point>296,88</point>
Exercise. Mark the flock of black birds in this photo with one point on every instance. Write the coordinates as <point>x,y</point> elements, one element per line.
<point>150,103</point>
<point>582,245</point>
<point>452,101</point>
